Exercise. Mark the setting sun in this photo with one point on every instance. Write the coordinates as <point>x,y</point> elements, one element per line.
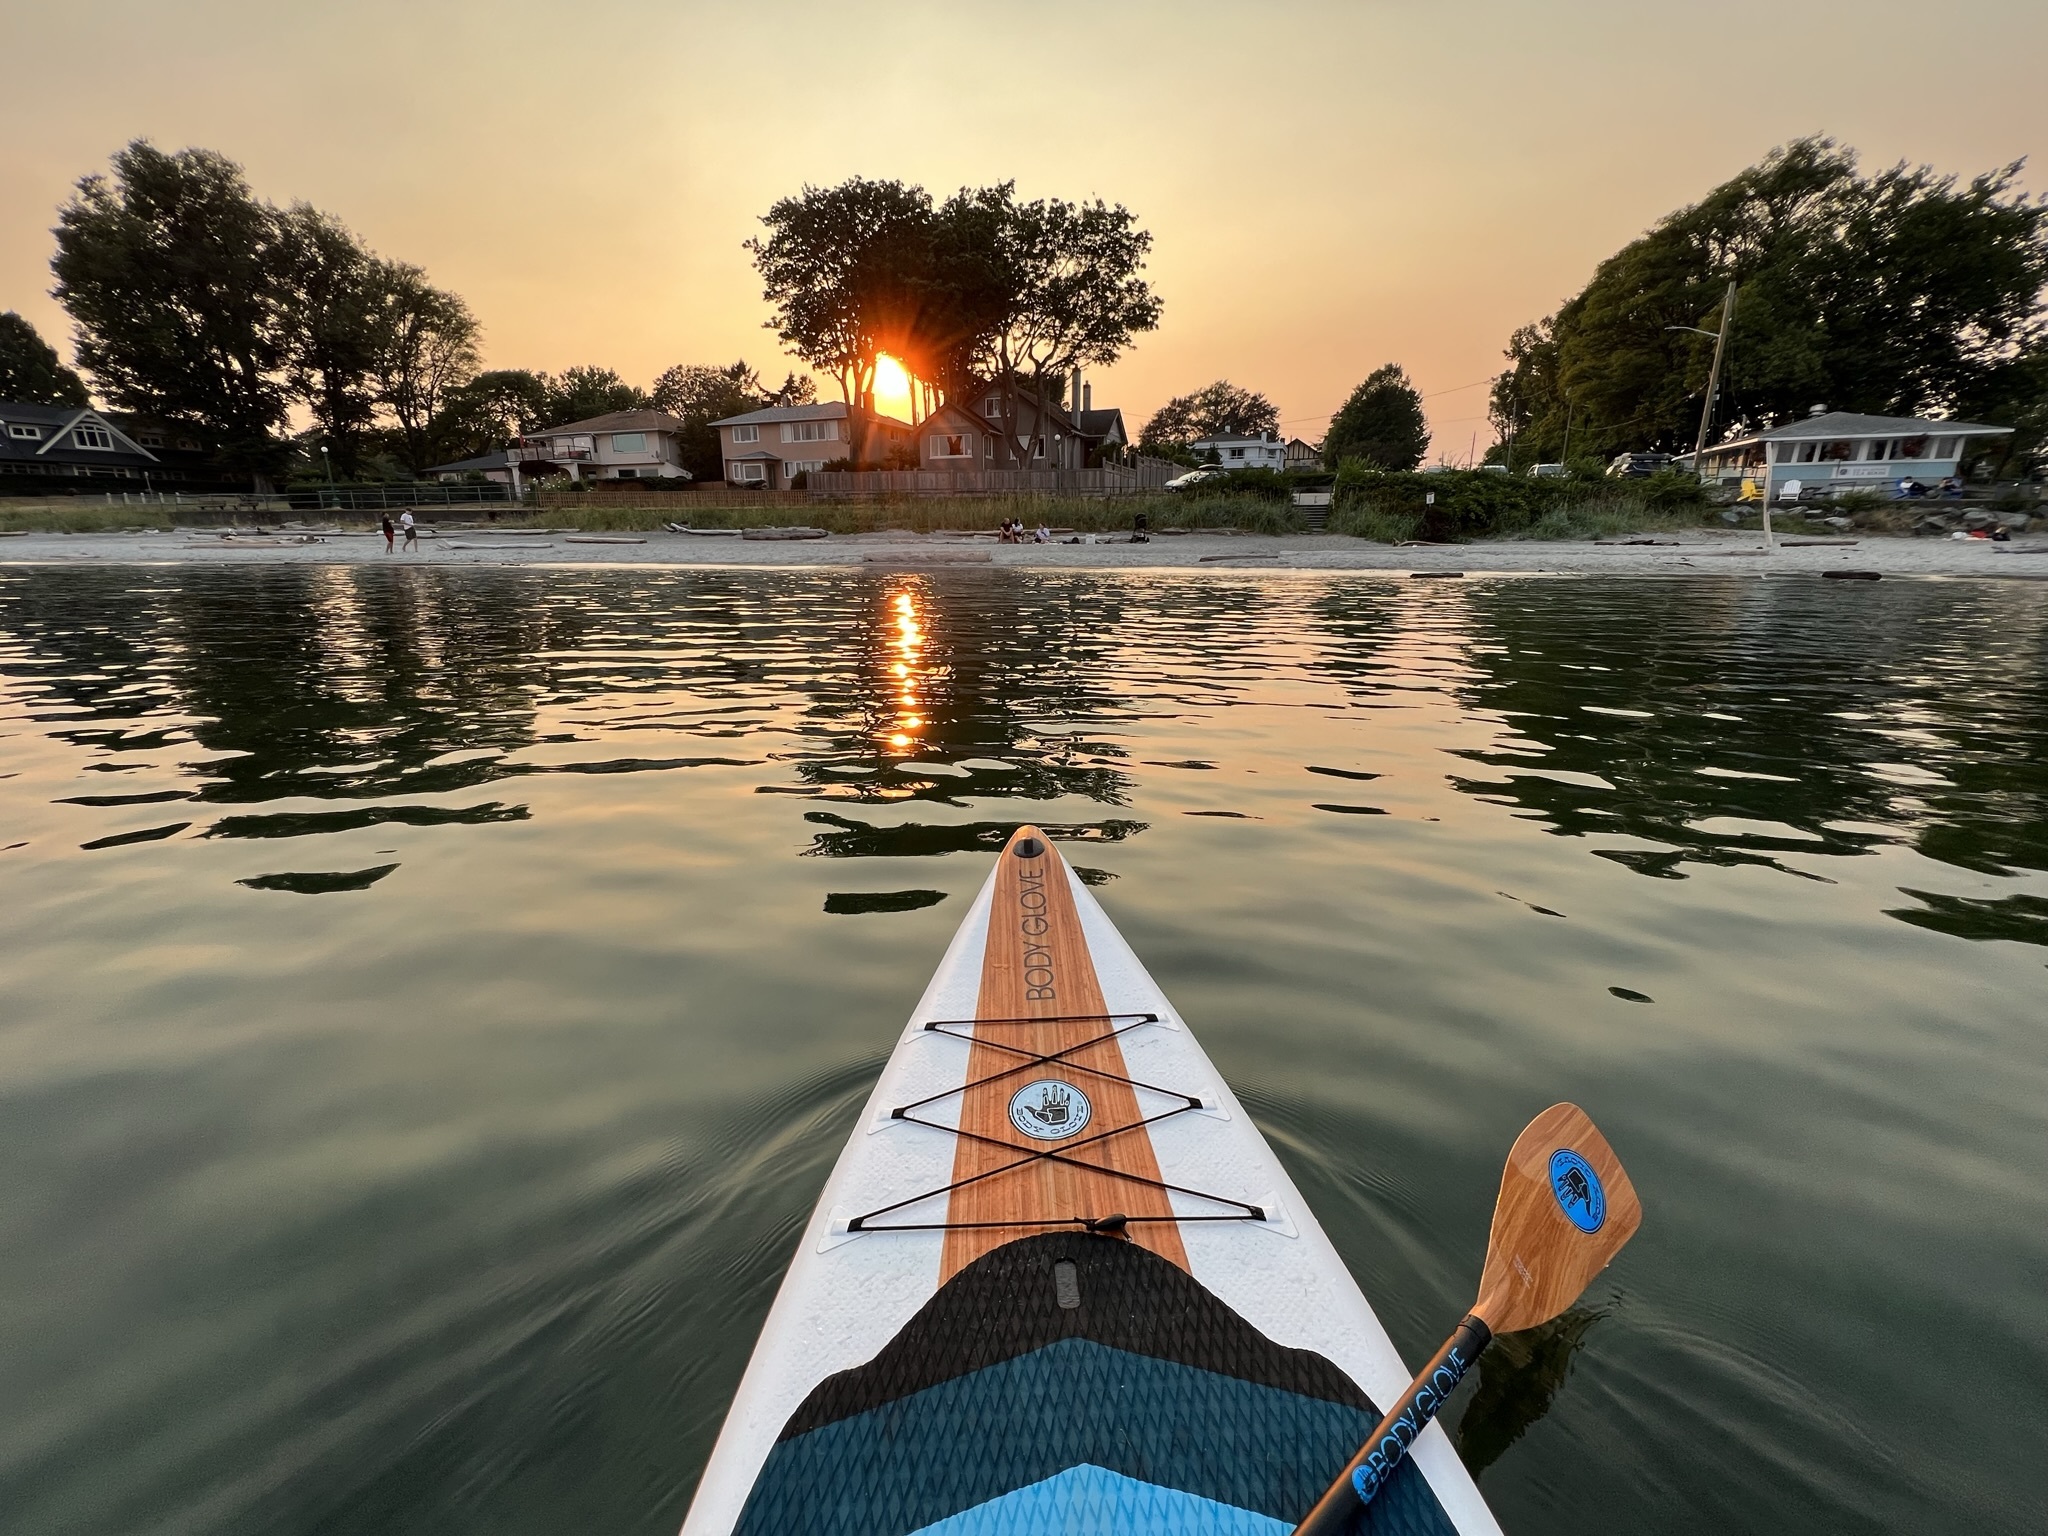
<point>892,388</point>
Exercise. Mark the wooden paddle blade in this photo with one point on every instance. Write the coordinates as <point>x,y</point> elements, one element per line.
<point>1566,1207</point>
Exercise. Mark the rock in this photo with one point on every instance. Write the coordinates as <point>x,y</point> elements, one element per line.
<point>1931,527</point>
<point>2016,521</point>
<point>1730,516</point>
<point>1842,524</point>
<point>1977,517</point>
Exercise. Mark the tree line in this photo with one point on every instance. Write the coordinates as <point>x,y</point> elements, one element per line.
<point>1380,425</point>
<point>1901,293</point>
<point>196,302</point>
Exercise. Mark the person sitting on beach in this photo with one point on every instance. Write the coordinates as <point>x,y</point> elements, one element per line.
<point>1043,536</point>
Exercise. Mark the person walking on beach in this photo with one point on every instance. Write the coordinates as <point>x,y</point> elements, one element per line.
<point>412,534</point>
<point>389,532</point>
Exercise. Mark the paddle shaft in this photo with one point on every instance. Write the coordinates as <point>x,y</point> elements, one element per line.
<point>1368,1471</point>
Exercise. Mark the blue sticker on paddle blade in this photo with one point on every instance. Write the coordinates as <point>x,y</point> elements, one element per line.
<point>1580,1195</point>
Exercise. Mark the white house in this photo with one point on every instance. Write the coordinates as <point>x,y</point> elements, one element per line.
<point>771,447</point>
<point>620,445</point>
<point>1838,450</point>
<point>1234,452</point>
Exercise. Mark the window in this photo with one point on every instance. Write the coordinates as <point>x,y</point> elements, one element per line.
<point>746,435</point>
<point>92,437</point>
<point>150,439</point>
<point>629,474</point>
<point>802,466</point>
<point>748,474</point>
<point>1237,453</point>
<point>1911,448</point>
<point>1877,448</point>
<point>1942,448</point>
<point>1805,453</point>
<point>992,407</point>
<point>1038,447</point>
<point>33,434</point>
<point>951,445</point>
<point>629,442</point>
<point>1838,450</point>
<point>810,431</point>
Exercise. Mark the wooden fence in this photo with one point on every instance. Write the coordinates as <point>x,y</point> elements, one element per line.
<point>1110,480</point>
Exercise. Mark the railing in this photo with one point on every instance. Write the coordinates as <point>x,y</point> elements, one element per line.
<point>1109,480</point>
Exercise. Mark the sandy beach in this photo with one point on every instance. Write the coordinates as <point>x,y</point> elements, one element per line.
<point>1701,552</point>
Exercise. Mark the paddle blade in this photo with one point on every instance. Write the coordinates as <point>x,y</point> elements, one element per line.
<point>1566,1207</point>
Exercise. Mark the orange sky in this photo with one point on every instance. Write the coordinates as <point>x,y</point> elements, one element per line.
<point>1331,185</point>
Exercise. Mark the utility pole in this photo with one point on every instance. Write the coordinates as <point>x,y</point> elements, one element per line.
<point>1714,373</point>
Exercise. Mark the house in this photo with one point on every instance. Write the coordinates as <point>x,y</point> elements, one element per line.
<point>771,447</point>
<point>1834,451</point>
<point>500,465</point>
<point>619,445</point>
<point>59,447</point>
<point>1265,451</point>
<point>978,434</point>
<point>1303,455</point>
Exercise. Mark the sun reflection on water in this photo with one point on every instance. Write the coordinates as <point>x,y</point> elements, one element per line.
<point>907,644</point>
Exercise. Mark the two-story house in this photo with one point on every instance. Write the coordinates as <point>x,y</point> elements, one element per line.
<point>980,434</point>
<point>51,447</point>
<point>619,445</point>
<point>771,447</point>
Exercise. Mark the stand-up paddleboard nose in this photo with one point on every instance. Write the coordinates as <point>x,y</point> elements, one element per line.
<point>1028,843</point>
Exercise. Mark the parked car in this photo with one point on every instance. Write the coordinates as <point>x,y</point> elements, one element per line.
<point>1548,471</point>
<point>1195,477</point>
<point>1637,466</point>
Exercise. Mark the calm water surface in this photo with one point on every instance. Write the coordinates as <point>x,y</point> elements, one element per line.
<point>430,1002</point>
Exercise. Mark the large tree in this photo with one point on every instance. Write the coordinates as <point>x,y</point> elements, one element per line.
<point>31,372</point>
<point>844,268</point>
<point>489,411</point>
<point>175,277</point>
<point>425,349</point>
<point>332,342</point>
<point>1381,425</point>
<point>1221,409</point>
<point>1069,275</point>
<point>1901,293</point>
<point>586,391</point>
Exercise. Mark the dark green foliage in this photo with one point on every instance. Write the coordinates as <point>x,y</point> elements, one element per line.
<point>489,411</point>
<point>581,393</point>
<point>1217,410</point>
<point>1471,504</point>
<point>425,348</point>
<point>698,395</point>
<point>31,372</point>
<point>197,303</point>
<point>178,280</point>
<point>1901,293</point>
<point>1381,425</point>
<point>331,348</point>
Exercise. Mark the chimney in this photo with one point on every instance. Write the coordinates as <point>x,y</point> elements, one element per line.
<point>1087,396</point>
<point>1074,392</point>
<point>1818,410</point>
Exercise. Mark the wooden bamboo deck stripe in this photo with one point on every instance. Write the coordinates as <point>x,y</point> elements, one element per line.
<point>1037,966</point>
